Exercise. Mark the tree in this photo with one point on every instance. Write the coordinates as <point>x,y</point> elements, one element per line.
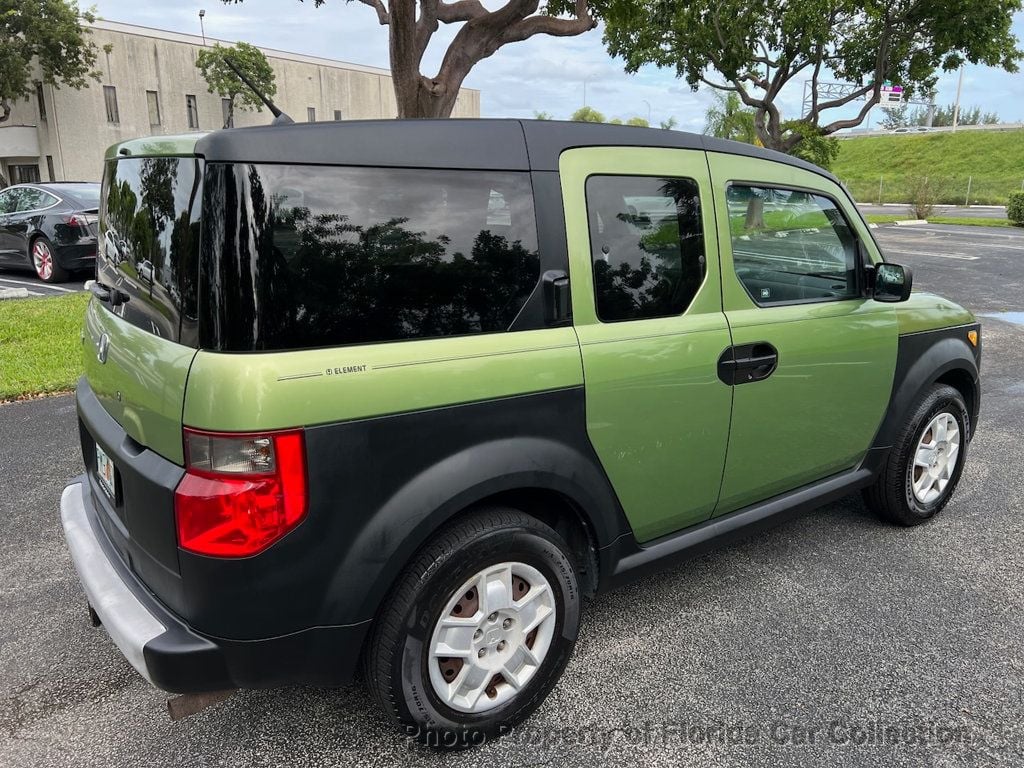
<point>638,122</point>
<point>668,125</point>
<point>221,79</point>
<point>894,117</point>
<point>758,47</point>
<point>587,115</point>
<point>541,115</point>
<point>47,31</point>
<point>727,118</point>
<point>412,23</point>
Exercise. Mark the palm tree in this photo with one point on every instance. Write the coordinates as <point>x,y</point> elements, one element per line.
<point>727,118</point>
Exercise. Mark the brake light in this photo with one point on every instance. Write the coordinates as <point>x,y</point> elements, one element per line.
<point>76,221</point>
<point>241,492</point>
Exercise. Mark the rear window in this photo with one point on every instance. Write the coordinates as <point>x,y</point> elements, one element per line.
<point>311,256</point>
<point>88,196</point>
<point>149,241</point>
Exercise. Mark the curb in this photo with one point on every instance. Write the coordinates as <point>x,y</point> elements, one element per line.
<point>13,293</point>
<point>909,222</point>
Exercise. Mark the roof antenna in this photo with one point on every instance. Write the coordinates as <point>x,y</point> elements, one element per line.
<point>280,118</point>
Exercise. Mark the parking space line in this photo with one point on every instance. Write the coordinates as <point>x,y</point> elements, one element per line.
<point>30,284</point>
<point>959,256</point>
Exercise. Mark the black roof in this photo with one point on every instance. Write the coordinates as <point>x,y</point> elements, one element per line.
<point>454,143</point>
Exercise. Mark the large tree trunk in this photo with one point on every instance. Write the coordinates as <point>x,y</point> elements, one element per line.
<point>419,96</point>
<point>5,110</point>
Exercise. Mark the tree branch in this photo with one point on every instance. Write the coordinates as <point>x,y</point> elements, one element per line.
<point>378,6</point>
<point>462,10</point>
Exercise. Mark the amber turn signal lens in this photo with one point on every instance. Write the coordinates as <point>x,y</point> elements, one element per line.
<point>972,336</point>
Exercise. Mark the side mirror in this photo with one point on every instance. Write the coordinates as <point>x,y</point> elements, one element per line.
<point>557,302</point>
<point>892,282</point>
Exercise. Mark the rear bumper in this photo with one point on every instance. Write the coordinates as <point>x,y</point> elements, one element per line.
<point>171,655</point>
<point>77,256</point>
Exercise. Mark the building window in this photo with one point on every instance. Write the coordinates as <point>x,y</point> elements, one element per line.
<point>153,102</point>
<point>311,114</point>
<point>24,174</point>
<point>337,115</point>
<point>49,167</point>
<point>110,100</point>
<point>41,100</point>
<point>193,111</point>
<point>226,112</point>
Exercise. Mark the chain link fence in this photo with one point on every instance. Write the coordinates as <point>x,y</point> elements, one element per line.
<point>952,190</point>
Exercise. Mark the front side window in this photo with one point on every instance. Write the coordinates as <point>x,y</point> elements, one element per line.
<point>647,245</point>
<point>791,246</point>
<point>313,256</point>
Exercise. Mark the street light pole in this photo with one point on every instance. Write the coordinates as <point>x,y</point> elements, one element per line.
<point>202,29</point>
<point>956,108</point>
<point>648,111</point>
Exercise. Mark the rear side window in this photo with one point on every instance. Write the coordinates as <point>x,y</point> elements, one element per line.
<point>791,246</point>
<point>312,256</point>
<point>149,241</point>
<point>647,245</point>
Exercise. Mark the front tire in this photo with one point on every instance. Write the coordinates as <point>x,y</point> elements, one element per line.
<point>477,631</point>
<point>44,261</point>
<point>926,461</point>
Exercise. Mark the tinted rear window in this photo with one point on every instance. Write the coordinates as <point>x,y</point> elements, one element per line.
<point>87,195</point>
<point>149,241</point>
<point>310,256</point>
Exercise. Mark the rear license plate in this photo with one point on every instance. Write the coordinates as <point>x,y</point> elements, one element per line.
<point>105,472</point>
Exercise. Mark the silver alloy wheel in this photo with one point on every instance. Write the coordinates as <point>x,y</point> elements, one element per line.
<point>492,637</point>
<point>935,458</point>
<point>42,259</point>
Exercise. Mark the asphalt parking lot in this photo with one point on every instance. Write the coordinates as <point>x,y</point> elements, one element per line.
<point>800,647</point>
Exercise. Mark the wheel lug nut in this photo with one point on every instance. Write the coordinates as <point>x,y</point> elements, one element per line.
<point>501,646</point>
<point>506,623</point>
<point>478,634</point>
<point>493,616</point>
<point>482,652</point>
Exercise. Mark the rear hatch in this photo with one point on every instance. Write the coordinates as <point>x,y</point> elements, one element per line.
<point>139,342</point>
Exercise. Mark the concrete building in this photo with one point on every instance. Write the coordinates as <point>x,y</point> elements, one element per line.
<point>151,86</point>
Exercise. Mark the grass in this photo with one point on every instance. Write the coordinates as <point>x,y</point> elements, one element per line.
<point>993,160</point>
<point>889,218</point>
<point>40,344</point>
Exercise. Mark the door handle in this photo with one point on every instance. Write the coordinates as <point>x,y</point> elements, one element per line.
<point>747,363</point>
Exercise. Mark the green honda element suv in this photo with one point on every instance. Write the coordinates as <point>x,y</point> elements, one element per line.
<point>393,397</point>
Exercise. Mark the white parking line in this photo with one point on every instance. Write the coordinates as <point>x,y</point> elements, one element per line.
<point>38,285</point>
<point>959,256</point>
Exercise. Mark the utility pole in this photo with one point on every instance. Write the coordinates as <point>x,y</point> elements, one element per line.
<point>202,29</point>
<point>956,108</point>
<point>648,111</point>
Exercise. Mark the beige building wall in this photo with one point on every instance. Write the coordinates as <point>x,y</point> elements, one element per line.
<point>75,131</point>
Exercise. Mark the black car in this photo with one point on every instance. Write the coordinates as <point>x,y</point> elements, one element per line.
<point>49,227</point>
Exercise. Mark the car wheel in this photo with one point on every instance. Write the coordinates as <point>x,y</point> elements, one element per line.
<point>925,463</point>
<point>44,262</point>
<point>477,631</point>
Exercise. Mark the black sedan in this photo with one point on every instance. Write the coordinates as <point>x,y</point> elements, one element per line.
<point>49,227</point>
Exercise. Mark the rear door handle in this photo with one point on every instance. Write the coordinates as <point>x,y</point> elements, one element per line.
<point>747,363</point>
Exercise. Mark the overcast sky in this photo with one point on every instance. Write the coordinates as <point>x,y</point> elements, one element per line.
<point>543,73</point>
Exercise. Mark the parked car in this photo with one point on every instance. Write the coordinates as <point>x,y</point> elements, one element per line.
<point>410,390</point>
<point>49,228</point>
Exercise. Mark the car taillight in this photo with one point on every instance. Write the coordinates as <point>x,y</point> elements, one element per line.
<point>76,221</point>
<point>240,492</point>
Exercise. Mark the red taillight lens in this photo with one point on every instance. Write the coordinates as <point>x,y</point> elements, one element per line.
<point>241,492</point>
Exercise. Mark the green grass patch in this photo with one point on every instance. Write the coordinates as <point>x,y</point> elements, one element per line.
<point>967,221</point>
<point>40,344</point>
<point>992,160</point>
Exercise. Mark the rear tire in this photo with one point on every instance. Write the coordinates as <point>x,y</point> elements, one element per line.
<point>926,461</point>
<point>44,261</point>
<point>454,664</point>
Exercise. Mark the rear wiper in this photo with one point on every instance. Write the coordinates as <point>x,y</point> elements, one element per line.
<point>106,293</point>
